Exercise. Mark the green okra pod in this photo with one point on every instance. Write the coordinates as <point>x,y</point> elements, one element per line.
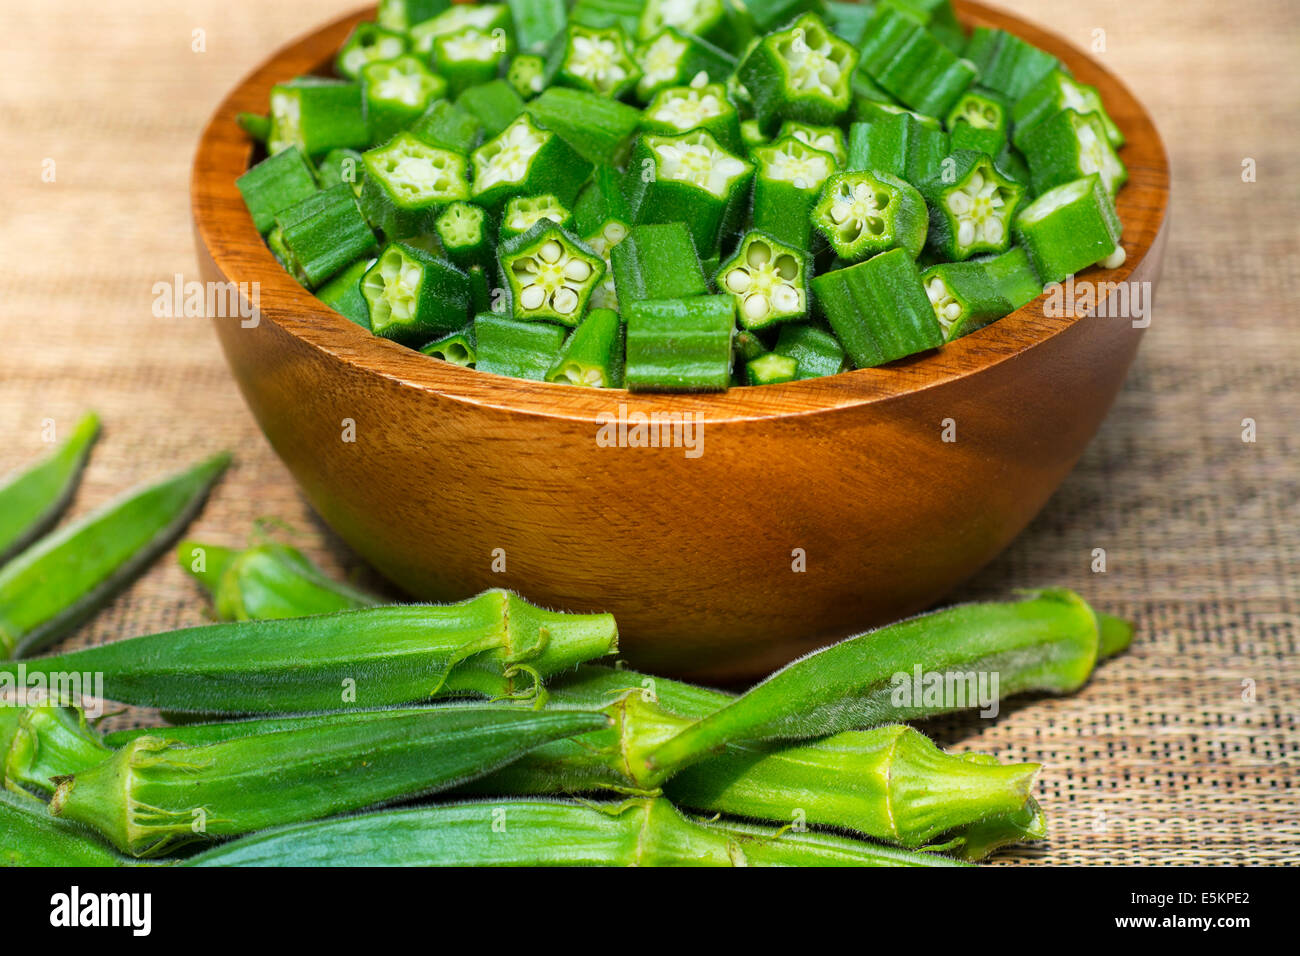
<point>1008,64</point>
<point>275,184</point>
<point>1068,146</point>
<point>408,183</point>
<point>680,345</point>
<point>34,838</point>
<point>40,743</point>
<point>637,832</point>
<point>1014,276</point>
<point>526,160</point>
<point>515,347</point>
<point>317,115</point>
<point>657,261</point>
<point>789,178</point>
<point>1069,228</point>
<point>458,348</point>
<point>864,213</point>
<point>493,645</point>
<point>32,500</point>
<point>1059,91</point>
<point>463,229</point>
<point>680,109</point>
<point>343,293</point>
<point>596,60</point>
<point>323,234</point>
<point>495,105</point>
<point>768,280</point>
<point>397,92</point>
<point>445,125</point>
<point>972,206</point>
<point>65,577</point>
<point>802,73</point>
<point>155,795</point>
<point>599,129</point>
<point>468,57</point>
<point>899,142</point>
<point>524,212</point>
<point>673,57</point>
<point>815,349</point>
<point>549,273</point>
<point>368,43</point>
<point>771,369</point>
<point>401,15</point>
<point>965,296</point>
<point>527,74</point>
<point>413,296</point>
<point>537,22</point>
<point>593,355</point>
<point>912,64</point>
<point>488,17</point>
<point>268,581</point>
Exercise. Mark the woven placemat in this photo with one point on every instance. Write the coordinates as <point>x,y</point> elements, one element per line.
<point>1181,751</point>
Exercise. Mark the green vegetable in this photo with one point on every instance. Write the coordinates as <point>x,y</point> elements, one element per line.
<point>368,43</point>
<point>673,57</point>
<point>257,126</point>
<point>445,125</point>
<point>598,128</point>
<point>701,18</point>
<point>879,309</point>
<point>1069,228</point>
<point>458,348</point>
<point>38,744</point>
<point>816,350</point>
<point>657,261</point>
<point>401,15</point>
<point>343,293</point>
<point>526,160</point>
<point>862,213</point>
<point>463,229</point>
<point>61,580</point>
<point>801,73</point>
<point>595,60</point>
<point>265,582</point>
<point>912,64</point>
<point>1059,91</point>
<point>468,57</point>
<point>1007,64</point>
<point>524,212</point>
<point>768,280</point>
<point>549,273</point>
<point>691,179</point>
<point>593,354</point>
<point>414,296</point>
<point>623,14</point>
<point>397,92</point>
<point>786,186</point>
<point>487,17</point>
<point>323,234</point>
<point>637,832</point>
<point>828,139</point>
<point>771,369</point>
<point>1069,146</point>
<point>275,184</point>
<point>537,22</point>
<point>408,183</point>
<point>495,105</point>
<point>680,109</point>
<point>317,115</point>
<point>965,296</point>
<point>980,121</point>
<point>493,645</point>
<point>519,349</point>
<point>679,345</point>
<point>154,795</point>
<point>34,838</point>
<point>527,74</point>
<point>1014,276</point>
<point>972,206</point>
<point>32,500</point>
<point>344,166</point>
<point>898,142</point>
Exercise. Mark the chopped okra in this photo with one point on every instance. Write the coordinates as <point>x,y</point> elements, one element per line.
<point>682,195</point>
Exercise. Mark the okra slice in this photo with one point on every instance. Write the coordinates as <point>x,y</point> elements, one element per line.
<point>912,64</point>
<point>448,126</point>
<point>980,121</point>
<point>965,297</point>
<point>458,348</point>
<point>603,219</point>
<point>768,280</point>
<point>771,369</point>
<point>623,14</point>
<point>527,74</point>
<point>1006,63</point>
<point>593,355</point>
<point>752,135</point>
<point>878,309</point>
<point>341,166</point>
<point>343,293</point>
<point>789,178</point>
<point>401,15</point>
<point>397,92</point>
<point>506,346</point>
<point>408,182</point>
<point>816,350</point>
<point>972,206</point>
<point>848,20</point>
<point>701,18</point>
<point>598,128</point>
<point>688,178</point>
<point>899,142</point>
<point>549,273</point>
<point>598,61</point>
<point>674,58</point>
<point>828,139</point>
<point>863,213</point>
<point>1015,276</point>
<point>1069,228</point>
<point>679,109</point>
<point>657,261</point>
<point>275,184</point>
<point>323,234</point>
<point>537,22</point>
<point>802,73</point>
<point>464,231</point>
<point>1068,146</point>
<point>680,345</point>
<point>526,160</point>
<point>938,17</point>
<point>257,126</point>
<point>368,43</point>
<point>486,17</point>
<point>524,212</point>
<point>317,115</point>
<point>495,105</point>
<point>414,297</point>
<point>468,57</point>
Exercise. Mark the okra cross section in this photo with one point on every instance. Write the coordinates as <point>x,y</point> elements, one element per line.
<point>674,58</point>
<point>862,213</point>
<point>413,296</point>
<point>965,297</point>
<point>680,345</point>
<point>768,279</point>
<point>786,186</point>
<point>487,17</point>
<point>593,354</point>
<point>524,212</point>
<point>803,73</point>
<point>368,43</point>
<point>701,18</point>
<point>468,57</point>
<point>1069,146</point>
<point>407,184</point>
<point>679,109</point>
<point>526,160</point>
<point>980,121</point>
<point>550,274</point>
<point>971,206</point>
<point>1070,228</point>
<point>463,231</point>
<point>596,60</point>
<point>397,92</point>
<point>688,178</point>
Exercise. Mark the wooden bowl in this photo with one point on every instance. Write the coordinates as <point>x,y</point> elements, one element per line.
<point>814,509</point>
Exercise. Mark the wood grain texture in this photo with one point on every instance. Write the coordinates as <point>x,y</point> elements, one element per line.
<point>693,555</point>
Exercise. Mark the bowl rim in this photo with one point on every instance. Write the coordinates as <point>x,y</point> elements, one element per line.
<point>226,233</point>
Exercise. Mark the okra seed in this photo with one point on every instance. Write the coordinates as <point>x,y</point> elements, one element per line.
<point>759,254</point>
<point>1115,259</point>
<point>738,281</point>
<point>533,297</point>
<point>577,270</point>
<point>565,300</point>
<point>550,251</point>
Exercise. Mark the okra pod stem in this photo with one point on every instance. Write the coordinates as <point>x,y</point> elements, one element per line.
<point>40,743</point>
<point>493,645</point>
<point>637,832</point>
<point>34,838</point>
<point>154,795</point>
<point>32,500</point>
<point>65,577</point>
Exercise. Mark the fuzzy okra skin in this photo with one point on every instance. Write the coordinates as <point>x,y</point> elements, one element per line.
<point>34,838</point>
<point>413,296</point>
<point>323,234</point>
<point>1006,63</point>
<point>343,293</point>
<point>657,261</point>
<point>317,115</point>
<point>408,183</point>
<point>445,125</point>
<point>1070,228</point>
<point>912,64</point>
<point>593,356</point>
<point>815,349</point>
<point>1069,146</point>
<point>275,184</point>
<point>38,744</point>
<point>368,43</point>
<point>154,795</point>
<point>901,143</point>
<point>680,345</point>
<point>32,500</point>
<point>789,178</point>
<point>266,582</point>
<point>516,348</point>
<point>598,128</point>
<point>397,92</point>
<point>65,577</point>
<point>864,213</point>
<point>493,645</point>
<point>637,832</point>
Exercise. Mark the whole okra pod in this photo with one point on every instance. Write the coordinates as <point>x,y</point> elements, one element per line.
<point>33,499</point>
<point>492,645</point>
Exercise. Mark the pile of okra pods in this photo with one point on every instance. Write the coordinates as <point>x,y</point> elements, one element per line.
<point>683,195</point>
